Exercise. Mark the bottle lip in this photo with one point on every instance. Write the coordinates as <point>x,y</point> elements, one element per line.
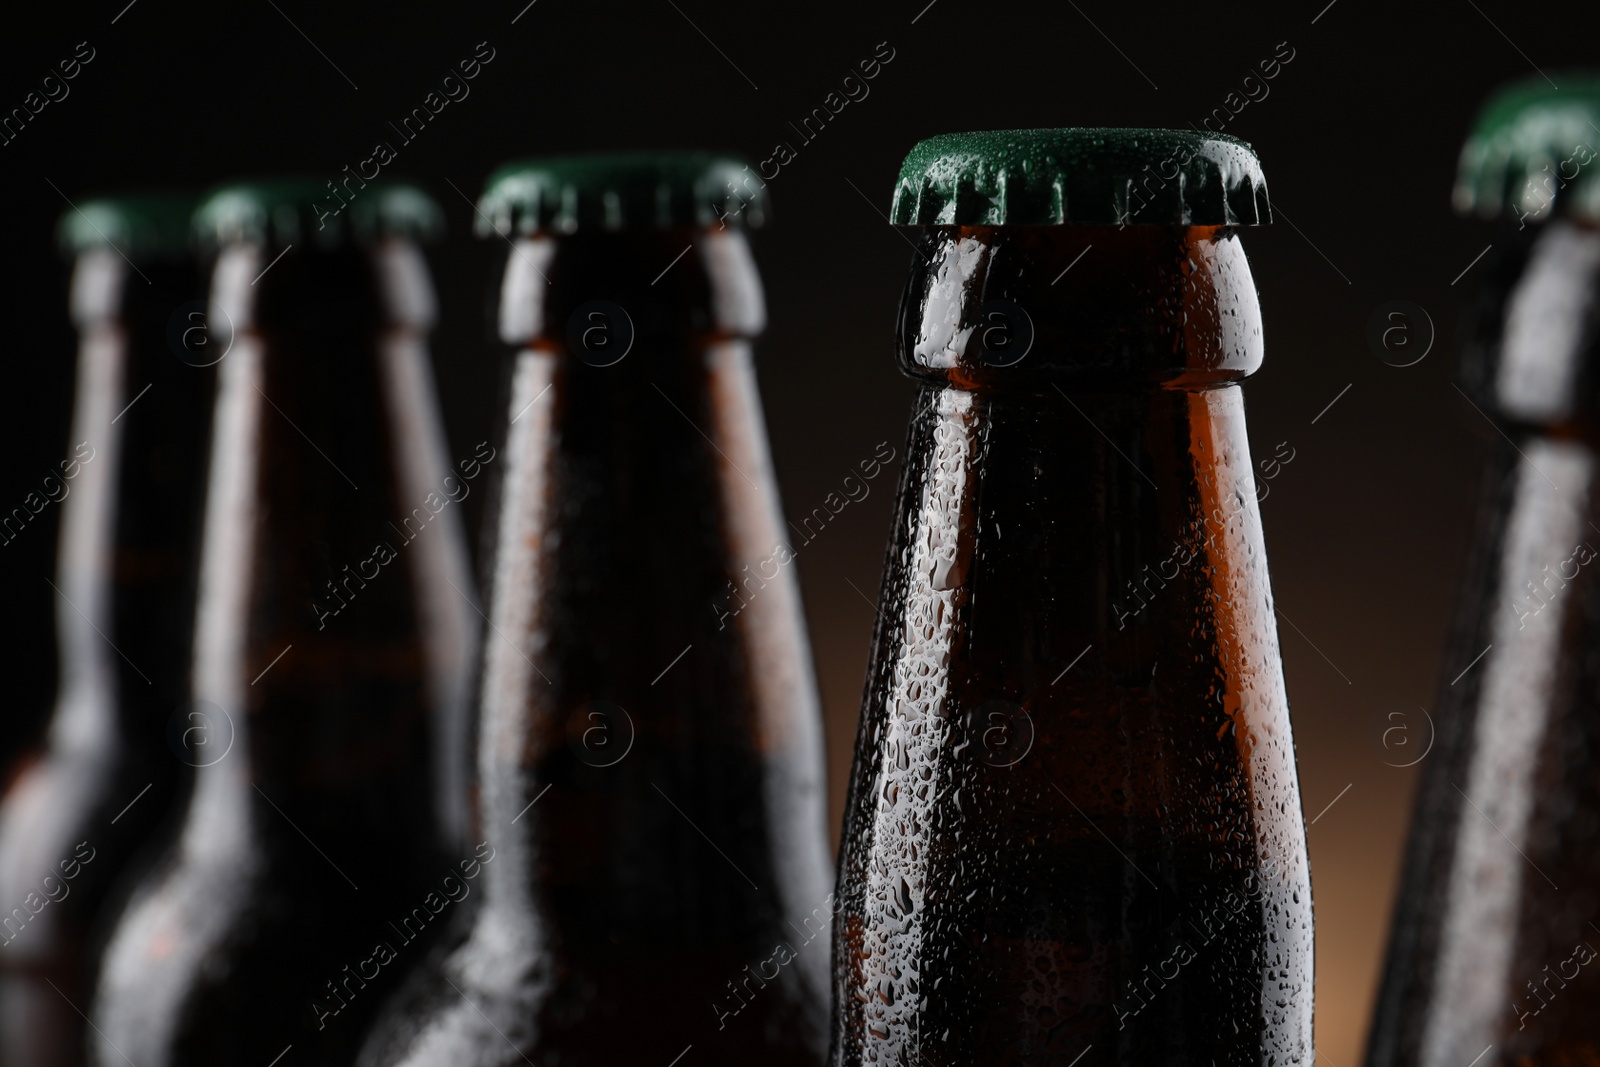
<point>1001,308</point>
<point>1530,362</point>
<point>630,281</point>
<point>1096,176</point>
<point>1069,230</point>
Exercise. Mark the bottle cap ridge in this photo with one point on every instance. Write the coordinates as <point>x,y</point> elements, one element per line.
<point>1534,151</point>
<point>629,190</point>
<point>1053,177</point>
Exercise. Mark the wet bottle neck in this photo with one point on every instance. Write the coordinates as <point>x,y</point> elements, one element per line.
<point>1065,342</point>
<point>314,674</point>
<point>128,488</point>
<point>1076,646</point>
<point>615,340</point>
<point>636,488</point>
<point>1509,786</point>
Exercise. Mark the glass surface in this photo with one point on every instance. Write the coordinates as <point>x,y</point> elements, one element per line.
<point>650,757</point>
<point>1073,827</point>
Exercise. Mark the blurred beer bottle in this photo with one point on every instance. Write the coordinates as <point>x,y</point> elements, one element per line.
<point>1498,920</point>
<point>330,649</point>
<point>650,758</point>
<point>129,491</point>
<point>1073,830</point>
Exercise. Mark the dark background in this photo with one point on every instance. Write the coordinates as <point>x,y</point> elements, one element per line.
<point>1368,525</point>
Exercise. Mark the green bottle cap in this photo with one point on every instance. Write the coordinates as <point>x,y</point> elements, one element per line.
<point>284,211</point>
<point>1090,176</point>
<point>148,226</point>
<point>1535,151</point>
<point>633,190</point>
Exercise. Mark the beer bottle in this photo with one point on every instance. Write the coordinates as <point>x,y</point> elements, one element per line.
<point>1073,829</point>
<point>327,644</point>
<point>650,758</point>
<point>128,489</point>
<point>1497,926</point>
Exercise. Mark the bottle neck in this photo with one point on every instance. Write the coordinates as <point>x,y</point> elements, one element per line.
<point>317,667</point>
<point>1104,346</point>
<point>85,553</point>
<point>1076,645</point>
<point>129,487</point>
<point>629,701</point>
<point>1166,472</point>
<point>1080,307</point>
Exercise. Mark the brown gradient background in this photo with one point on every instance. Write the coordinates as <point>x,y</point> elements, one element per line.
<point>1367,528</point>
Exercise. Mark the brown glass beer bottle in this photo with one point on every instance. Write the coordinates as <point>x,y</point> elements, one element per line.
<point>129,491</point>
<point>1492,954</point>
<point>650,759</point>
<point>328,646</point>
<point>1073,831</point>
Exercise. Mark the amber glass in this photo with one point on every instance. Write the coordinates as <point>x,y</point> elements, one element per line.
<point>1497,925</point>
<point>650,756</point>
<point>129,491</point>
<point>1073,830</point>
<point>313,824</point>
